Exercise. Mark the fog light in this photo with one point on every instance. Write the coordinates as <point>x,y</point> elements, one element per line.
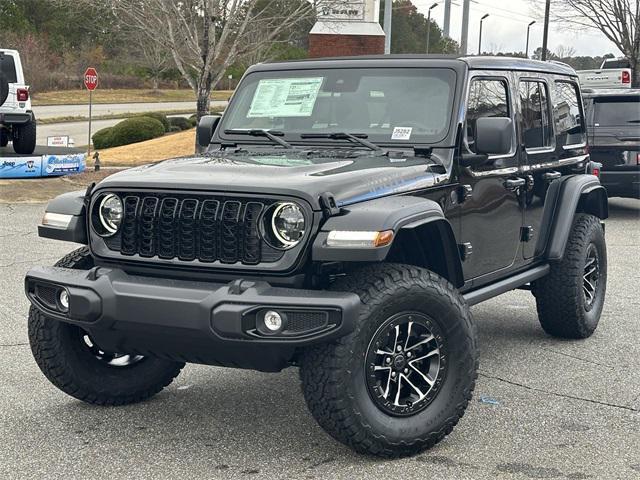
<point>63,298</point>
<point>272,320</point>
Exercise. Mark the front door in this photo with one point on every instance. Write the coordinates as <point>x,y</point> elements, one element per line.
<point>490,215</point>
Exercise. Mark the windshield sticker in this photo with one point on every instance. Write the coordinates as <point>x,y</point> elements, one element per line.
<point>401,133</point>
<point>285,97</point>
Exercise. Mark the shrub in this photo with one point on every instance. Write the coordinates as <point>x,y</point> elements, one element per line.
<point>161,117</point>
<point>131,130</point>
<point>181,123</point>
<point>102,138</point>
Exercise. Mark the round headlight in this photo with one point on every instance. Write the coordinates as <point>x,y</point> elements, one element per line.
<point>110,213</point>
<point>287,223</point>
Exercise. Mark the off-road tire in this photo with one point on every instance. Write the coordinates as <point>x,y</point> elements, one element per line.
<point>24,137</point>
<point>59,353</point>
<point>333,374</point>
<point>562,306</point>
<point>4,137</point>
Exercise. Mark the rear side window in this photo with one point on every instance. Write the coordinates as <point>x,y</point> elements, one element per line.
<point>536,125</point>
<point>566,114</point>
<point>617,111</point>
<point>487,98</point>
<point>8,68</point>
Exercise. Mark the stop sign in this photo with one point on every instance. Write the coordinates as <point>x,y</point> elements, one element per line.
<point>91,78</point>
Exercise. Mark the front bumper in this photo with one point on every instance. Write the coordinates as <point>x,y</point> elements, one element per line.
<point>201,322</point>
<point>15,118</point>
<point>621,183</point>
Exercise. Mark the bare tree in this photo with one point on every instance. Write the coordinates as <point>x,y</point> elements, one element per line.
<point>564,51</point>
<point>205,37</point>
<point>618,20</point>
<point>154,58</point>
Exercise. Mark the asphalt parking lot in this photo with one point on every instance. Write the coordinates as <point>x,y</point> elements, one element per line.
<point>543,408</point>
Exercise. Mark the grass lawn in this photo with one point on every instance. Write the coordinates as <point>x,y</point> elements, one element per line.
<point>125,95</point>
<point>169,146</point>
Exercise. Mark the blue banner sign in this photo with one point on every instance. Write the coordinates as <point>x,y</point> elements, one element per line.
<point>41,166</point>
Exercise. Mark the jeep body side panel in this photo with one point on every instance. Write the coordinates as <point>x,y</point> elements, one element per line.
<point>71,203</point>
<point>571,194</point>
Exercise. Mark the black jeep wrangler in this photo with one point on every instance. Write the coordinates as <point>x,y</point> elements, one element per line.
<point>344,216</point>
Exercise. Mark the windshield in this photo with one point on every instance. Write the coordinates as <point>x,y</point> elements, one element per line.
<point>385,105</point>
<point>8,68</point>
<point>617,111</point>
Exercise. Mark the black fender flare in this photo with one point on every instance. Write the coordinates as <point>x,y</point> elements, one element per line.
<point>405,215</point>
<point>73,204</point>
<point>566,197</point>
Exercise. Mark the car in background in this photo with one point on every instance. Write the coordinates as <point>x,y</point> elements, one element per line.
<point>613,73</point>
<point>17,121</point>
<point>621,62</point>
<point>613,126</point>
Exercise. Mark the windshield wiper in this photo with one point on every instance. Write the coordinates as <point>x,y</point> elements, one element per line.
<point>259,132</point>
<point>352,137</point>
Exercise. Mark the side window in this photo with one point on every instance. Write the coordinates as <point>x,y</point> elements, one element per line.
<point>487,98</point>
<point>536,125</point>
<point>570,126</point>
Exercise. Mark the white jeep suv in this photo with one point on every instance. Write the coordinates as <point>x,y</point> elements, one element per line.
<point>17,121</point>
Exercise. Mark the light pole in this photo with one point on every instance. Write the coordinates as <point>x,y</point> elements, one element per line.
<point>429,24</point>
<point>545,34</point>
<point>526,52</point>
<point>480,37</point>
<point>388,8</point>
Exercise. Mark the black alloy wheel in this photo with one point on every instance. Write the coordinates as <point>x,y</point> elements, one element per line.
<point>405,364</point>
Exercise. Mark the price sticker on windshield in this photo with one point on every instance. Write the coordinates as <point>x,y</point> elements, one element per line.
<point>285,97</point>
<point>401,133</point>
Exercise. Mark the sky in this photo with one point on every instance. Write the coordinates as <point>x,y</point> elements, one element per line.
<point>506,27</point>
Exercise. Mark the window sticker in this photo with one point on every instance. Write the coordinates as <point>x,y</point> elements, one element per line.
<point>285,97</point>
<point>401,133</point>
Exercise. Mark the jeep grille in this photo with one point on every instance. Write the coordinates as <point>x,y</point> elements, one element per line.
<point>207,228</point>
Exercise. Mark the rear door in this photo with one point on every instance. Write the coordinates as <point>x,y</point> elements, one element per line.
<point>554,139</point>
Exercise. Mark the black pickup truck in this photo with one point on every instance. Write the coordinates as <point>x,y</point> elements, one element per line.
<point>613,125</point>
<point>344,216</point>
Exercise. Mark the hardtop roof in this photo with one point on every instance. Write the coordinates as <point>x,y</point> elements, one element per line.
<point>424,60</point>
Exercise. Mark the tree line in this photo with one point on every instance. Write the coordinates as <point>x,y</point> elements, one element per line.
<point>197,44</point>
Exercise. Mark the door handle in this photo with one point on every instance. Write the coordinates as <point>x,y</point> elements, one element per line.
<point>551,176</point>
<point>514,183</point>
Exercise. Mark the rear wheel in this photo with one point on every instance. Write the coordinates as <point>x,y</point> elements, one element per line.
<point>4,137</point>
<point>73,362</point>
<point>401,381</point>
<point>24,137</point>
<point>571,297</point>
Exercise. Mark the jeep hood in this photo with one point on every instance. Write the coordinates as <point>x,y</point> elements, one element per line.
<point>348,174</point>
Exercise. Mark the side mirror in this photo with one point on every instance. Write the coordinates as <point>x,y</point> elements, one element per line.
<point>494,135</point>
<point>206,128</point>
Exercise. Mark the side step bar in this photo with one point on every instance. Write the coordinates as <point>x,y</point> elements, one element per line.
<point>511,283</point>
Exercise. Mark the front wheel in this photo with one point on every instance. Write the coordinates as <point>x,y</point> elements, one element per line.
<point>401,381</point>
<point>75,363</point>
